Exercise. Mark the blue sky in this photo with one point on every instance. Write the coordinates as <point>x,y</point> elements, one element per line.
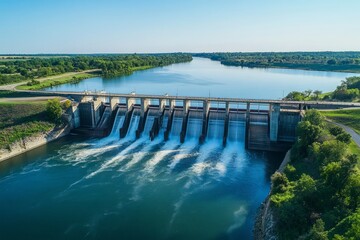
<point>127,26</point>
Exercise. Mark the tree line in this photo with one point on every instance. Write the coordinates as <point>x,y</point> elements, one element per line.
<point>322,61</point>
<point>110,65</point>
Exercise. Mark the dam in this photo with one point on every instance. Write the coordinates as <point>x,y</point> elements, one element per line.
<point>268,125</point>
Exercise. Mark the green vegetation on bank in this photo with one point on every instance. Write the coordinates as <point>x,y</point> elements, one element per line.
<point>318,194</point>
<point>14,94</point>
<point>348,90</point>
<point>36,85</point>
<point>348,117</point>
<point>318,61</point>
<point>19,120</point>
<point>32,68</point>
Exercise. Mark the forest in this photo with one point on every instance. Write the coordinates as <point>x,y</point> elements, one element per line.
<point>19,68</point>
<point>318,61</point>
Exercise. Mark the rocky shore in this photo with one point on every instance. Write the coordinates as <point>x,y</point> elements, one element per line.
<point>32,142</point>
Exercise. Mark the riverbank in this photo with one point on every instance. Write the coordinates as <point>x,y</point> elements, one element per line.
<point>61,77</point>
<point>264,222</point>
<point>28,143</point>
<point>321,178</point>
<point>24,125</point>
<point>306,67</point>
<point>314,61</point>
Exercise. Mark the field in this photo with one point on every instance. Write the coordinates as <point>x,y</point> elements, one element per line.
<point>19,120</point>
<point>349,117</point>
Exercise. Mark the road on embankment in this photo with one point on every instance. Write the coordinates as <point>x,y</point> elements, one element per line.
<point>354,135</point>
<point>12,87</point>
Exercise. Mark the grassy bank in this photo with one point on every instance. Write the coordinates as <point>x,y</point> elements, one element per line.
<point>14,94</point>
<point>20,120</point>
<point>57,81</point>
<point>349,118</point>
<point>76,77</point>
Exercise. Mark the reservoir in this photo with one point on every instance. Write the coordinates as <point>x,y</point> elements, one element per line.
<point>203,77</point>
<point>112,188</point>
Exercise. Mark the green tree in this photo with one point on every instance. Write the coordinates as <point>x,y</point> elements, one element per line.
<point>317,231</point>
<point>308,133</point>
<point>317,94</point>
<point>314,117</point>
<point>344,137</point>
<point>54,110</point>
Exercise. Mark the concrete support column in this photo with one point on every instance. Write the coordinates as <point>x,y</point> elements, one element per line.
<point>144,106</point>
<point>113,102</point>
<point>130,102</point>
<point>100,98</point>
<point>162,104</point>
<point>172,103</point>
<point>186,106</point>
<point>247,110</point>
<point>76,116</point>
<point>227,107</point>
<point>206,107</point>
<point>274,121</point>
<point>96,109</point>
<point>247,125</point>
<point>87,98</point>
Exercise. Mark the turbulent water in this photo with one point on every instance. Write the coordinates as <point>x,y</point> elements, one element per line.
<point>136,189</point>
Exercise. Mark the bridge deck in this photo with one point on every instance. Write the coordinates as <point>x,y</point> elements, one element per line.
<point>190,98</point>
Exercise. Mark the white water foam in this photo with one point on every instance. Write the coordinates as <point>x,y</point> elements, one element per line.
<point>185,151</point>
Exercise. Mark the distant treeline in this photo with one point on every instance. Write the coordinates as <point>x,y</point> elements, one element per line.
<point>319,61</point>
<point>348,90</point>
<point>110,65</point>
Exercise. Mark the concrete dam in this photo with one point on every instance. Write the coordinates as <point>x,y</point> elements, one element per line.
<point>268,125</point>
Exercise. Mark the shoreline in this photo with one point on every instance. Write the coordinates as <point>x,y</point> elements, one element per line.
<point>30,143</point>
<point>263,226</point>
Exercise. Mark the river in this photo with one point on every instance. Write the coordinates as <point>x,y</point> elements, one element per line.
<point>203,77</point>
<point>77,188</point>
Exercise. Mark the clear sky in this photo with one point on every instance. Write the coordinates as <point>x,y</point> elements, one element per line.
<point>128,26</point>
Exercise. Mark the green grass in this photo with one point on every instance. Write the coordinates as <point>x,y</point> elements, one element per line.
<point>14,94</point>
<point>19,120</point>
<point>141,68</point>
<point>57,81</point>
<point>349,117</point>
<point>354,149</point>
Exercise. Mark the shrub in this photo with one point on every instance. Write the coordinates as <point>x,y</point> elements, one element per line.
<point>66,104</point>
<point>54,110</point>
<point>344,137</point>
<point>336,130</point>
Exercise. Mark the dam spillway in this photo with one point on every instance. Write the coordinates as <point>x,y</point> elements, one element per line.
<point>260,126</point>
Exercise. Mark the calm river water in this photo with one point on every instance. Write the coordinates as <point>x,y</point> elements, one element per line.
<point>203,77</point>
<point>77,188</point>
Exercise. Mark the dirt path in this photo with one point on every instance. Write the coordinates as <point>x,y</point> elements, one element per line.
<point>354,135</point>
<point>12,87</point>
